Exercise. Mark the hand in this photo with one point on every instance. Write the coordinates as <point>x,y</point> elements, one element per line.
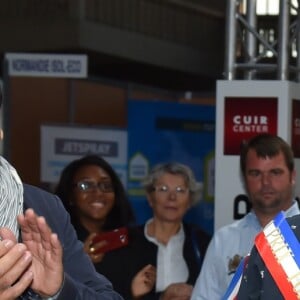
<point>15,276</point>
<point>46,251</point>
<point>143,282</point>
<point>91,248</point>
<point>177,291</point>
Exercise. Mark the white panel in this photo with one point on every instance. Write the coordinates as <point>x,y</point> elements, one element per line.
<point>228,182</point>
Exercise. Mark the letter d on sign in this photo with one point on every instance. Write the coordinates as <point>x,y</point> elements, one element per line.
<point>240,210</point>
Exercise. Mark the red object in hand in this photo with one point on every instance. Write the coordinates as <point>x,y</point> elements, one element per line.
<point>114,239</point>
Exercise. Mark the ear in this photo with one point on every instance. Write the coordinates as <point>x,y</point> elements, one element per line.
<point>294,177</point>
<point>150,199</point>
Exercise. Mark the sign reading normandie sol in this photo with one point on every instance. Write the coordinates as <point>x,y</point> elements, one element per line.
<point>246,117</point>
<point>47,65</point>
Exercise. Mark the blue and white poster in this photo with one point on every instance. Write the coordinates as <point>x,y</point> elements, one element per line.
<point>62,144</point>
<point>166,131</point>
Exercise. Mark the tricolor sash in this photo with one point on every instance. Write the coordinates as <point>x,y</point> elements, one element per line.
<point>279,248</point>
<point>235,282</point>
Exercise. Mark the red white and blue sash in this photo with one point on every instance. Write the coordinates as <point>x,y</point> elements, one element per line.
<point>235,282</point>
<point>280,250</point>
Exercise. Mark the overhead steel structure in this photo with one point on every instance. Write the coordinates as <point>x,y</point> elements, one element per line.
<point>242,34</point>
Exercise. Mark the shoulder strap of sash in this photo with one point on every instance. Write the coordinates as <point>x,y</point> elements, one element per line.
<point>233,288</point>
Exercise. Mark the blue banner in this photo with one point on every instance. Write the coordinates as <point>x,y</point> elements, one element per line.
<point>166,131</point>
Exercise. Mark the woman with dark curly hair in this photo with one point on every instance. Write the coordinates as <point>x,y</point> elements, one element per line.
<point>96,200</point>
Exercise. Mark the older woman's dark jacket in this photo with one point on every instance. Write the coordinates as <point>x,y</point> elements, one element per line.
<point>121,265</point>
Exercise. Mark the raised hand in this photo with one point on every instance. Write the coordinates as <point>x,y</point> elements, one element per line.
<point>46,252</point>
<point>143,282</point>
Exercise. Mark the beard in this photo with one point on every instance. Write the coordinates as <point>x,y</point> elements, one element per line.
<point>269,201</point>
<point>267,206</point>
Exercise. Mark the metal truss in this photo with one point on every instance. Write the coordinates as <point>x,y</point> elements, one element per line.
<point>248,51</point>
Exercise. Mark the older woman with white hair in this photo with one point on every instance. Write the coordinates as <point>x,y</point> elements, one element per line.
<point>163,258</point>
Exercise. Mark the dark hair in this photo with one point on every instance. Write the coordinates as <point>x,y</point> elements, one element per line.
<point>267,145</point>
<point>121,213</point>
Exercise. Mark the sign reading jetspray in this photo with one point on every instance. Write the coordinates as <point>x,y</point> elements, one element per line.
<point>47,65</point>
<point>62,144</point>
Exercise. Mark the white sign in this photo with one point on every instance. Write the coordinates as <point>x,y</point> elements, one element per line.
<point>47,65</point>
<point>62,144</point>
<point>229,185</point>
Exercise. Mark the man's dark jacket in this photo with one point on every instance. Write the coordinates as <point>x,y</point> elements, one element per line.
<point>257,282</point>
<point>82,282</point>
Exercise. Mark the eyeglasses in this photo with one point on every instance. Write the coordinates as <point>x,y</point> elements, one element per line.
<point>92,186</point>
<point>164,190</point>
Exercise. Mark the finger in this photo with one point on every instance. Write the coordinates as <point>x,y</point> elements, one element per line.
<point>91,237</point>
<point>148,268</point>
<point>13,265</point>
<point>10,258</point>
<point>88,242</point>
<point>94,249</point>
<point>97,247</point>
<point>18,288</point>
<point>35,228</point>
<point>48,240</point>
<point>151,271</point>
<point>6,233</point>
<point>151,274</point>
<point>96,257</point>
<point>45,233</point>
<point>56,246</point>
<point>27,222</point>
<point>29,214</point>
<point>23,220</point>
<point>151,277</point>
<point>148,282</point>
<point>5,246</point>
